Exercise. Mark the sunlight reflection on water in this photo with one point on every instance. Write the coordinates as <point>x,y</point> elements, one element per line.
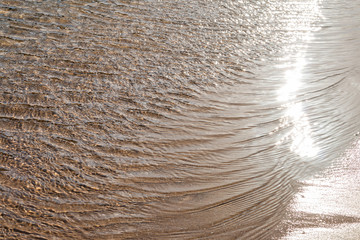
<point>300,135</point>
<point>160,119</point>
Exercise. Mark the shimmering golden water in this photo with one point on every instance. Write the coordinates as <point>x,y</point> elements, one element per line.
<point>169,120</point>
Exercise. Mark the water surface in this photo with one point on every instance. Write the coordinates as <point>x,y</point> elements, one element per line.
<point>169,120</point>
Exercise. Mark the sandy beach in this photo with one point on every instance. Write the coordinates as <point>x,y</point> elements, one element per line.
<point>327,205</point>
<point>179,119</point>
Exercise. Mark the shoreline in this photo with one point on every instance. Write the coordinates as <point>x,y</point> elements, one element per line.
<point>326,205</point>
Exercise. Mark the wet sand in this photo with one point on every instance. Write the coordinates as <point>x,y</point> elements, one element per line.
<point>177,119</point>
<point>327,205</point>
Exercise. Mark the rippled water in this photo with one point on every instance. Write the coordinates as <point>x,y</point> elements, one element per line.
<point>169,120</point>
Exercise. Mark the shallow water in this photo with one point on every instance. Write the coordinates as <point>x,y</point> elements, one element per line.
<point>170,120</point>
<point>327,205</point>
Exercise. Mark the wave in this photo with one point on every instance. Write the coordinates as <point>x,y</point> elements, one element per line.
<point>177,120</point>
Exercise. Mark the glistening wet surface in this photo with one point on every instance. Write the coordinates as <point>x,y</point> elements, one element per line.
<point>170,120</point>
<point>327,205</point>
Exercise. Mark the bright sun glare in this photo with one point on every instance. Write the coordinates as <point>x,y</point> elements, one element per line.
<point>300,134</point>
